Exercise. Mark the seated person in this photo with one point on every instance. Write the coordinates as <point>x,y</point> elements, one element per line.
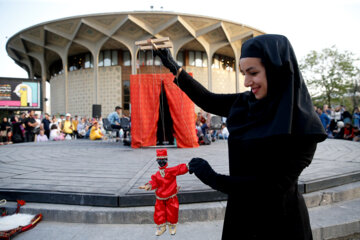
<point>41,137</point>
<point>55,134</point>
<point>68,127</point>
<point>348,131</point>
<point>95,132</point>
<point>356,134</point>
<point>224,134</point>
<point>114,119</point>
<point>82,128</point>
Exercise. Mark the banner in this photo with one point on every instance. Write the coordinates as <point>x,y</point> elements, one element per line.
<point>18,93</point>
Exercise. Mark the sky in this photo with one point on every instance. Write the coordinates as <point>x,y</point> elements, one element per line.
<point>308,24</point>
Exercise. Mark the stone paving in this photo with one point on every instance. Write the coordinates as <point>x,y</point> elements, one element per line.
<point>104,168</point>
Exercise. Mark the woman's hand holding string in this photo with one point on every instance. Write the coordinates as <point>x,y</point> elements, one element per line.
<point>203,171</point>
<point>167,60</point>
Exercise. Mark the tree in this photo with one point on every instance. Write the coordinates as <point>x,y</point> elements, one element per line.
<point>331,75</point>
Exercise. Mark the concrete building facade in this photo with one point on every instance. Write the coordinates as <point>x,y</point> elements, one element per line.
<point>89,59</point>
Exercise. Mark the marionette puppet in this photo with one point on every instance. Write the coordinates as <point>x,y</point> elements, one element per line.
<point>166,189</point>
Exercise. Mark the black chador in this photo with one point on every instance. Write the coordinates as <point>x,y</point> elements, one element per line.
<point>271,141</point>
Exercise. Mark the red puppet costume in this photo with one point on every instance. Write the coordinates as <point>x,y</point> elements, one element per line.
<point>164,181</point>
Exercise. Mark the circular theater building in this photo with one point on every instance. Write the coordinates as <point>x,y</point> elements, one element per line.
<point>89,59</point>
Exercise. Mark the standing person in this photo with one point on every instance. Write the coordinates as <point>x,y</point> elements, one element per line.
<point>54,121</point>
<point>67,126</point>
<point>5,127</point>
<point>356,117</point>
<point>46,124</point>
<point>30,124</point>
<point>324,118</point>
<point>17,129</point>
<point>274,132</point>
<point>114,119</point>
<point>75,123</point>
<point>60,122</point>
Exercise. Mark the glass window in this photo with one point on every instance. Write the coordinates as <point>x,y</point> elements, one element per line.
<point>126,58</point>
<point>149,58</point>
<point>216,63</point>
<point>198,59</point>
<point>107,58</point>
<point>101,59</point>
<point>204,60</point>
<point>141,58</point>
<point>126,94</point>
<point>87,60</point>
<point>180,58</point>
<point>157,61</point>
<point>191,58</point>
<point>114,57</point>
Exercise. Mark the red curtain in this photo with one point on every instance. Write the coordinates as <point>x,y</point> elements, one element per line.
<point>145,102</point>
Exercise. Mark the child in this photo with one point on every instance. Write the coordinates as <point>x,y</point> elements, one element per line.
<point>55,134</point>
<point>42,137</point>
<point>167,203</point>
<point>95,132</point>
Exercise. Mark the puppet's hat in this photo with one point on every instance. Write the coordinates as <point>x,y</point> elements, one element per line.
<point>161,153</point>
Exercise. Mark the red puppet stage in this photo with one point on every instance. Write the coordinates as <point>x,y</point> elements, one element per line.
<point>145,102</point>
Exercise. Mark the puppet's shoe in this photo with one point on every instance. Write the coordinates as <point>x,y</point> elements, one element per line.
<point>172,229</point>
<point>160,230</point>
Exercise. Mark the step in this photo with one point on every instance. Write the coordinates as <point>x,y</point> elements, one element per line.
<point>330,222</point>
<point>336,220</point>
<point>333,195</point>
<point>188,212</point>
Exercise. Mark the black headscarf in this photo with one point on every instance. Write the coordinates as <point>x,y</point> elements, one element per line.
<point>287,109</point>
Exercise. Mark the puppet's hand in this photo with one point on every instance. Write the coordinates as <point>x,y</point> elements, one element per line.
<point>146,187</point>
<point>203,171</point>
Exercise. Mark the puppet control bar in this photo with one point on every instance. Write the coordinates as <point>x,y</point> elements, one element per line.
<point>150,44</point>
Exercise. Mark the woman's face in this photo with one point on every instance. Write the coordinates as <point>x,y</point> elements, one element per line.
<point>255,76</point>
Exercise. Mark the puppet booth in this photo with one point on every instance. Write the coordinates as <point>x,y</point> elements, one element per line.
<point>160,112</point>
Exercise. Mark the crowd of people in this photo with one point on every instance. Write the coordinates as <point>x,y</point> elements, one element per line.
<point>30,127</point>
<point>340,123</point>
<point>207,133</point>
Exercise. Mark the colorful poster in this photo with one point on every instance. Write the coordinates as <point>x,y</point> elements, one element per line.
<point>16,93</point>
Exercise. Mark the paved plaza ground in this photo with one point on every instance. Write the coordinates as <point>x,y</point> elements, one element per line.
<point>107,173</point>
<point>104,173</point>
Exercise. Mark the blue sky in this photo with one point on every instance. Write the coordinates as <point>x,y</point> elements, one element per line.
<point>309,24</point>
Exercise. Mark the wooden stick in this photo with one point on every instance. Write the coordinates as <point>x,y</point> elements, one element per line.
<point>154,43</point>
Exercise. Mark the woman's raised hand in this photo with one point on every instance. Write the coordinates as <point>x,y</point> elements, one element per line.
<point>167,60</point>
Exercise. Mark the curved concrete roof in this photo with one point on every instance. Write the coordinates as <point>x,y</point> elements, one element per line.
<point>37,47</point>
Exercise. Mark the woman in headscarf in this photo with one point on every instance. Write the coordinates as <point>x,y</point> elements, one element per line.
<point>274,132</point>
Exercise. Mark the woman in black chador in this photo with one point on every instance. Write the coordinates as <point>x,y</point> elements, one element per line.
<point>274,132</point>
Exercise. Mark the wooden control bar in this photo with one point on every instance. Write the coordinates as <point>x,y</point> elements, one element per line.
<point>154,43</point>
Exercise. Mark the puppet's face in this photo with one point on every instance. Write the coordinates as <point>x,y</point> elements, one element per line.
<point>255,76</point>
<point>162,162</point>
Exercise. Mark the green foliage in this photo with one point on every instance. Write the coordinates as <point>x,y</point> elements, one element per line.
<point>332,76</point>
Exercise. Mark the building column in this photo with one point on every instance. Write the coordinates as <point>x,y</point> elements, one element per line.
<point>209,63</point>
<point>237,76</point>
<point>43,86</point>
<point>31,72</point>
<point>66,79</point>
<point>96,76</point>
<point>133,53</point>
